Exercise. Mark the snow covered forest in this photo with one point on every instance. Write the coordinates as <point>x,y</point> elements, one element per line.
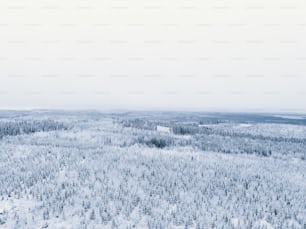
<point>152,170</point>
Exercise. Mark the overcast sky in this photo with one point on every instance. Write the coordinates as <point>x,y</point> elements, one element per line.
<point>241,55</point>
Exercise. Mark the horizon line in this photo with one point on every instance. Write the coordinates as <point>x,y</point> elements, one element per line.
<point>178,110</point>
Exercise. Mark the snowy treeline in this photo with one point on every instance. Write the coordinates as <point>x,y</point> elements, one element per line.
<point>102,173</point>
<point>17,127</point>
<point>229,138</point>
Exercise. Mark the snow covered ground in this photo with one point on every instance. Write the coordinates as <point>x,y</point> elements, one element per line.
<point>99,173</point>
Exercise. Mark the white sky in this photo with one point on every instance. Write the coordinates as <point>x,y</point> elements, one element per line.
<point>139,54</point>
